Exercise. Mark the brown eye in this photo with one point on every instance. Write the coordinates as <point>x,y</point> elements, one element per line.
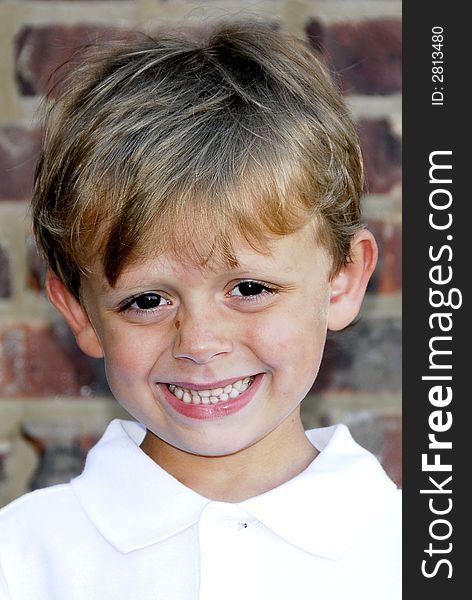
<point>148,301</point>
<point>250,288</point>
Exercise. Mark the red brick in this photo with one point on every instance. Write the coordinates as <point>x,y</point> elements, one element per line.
<point>387,277</point>
<point>382,435</point>
<point>365,357</point>
<point>392,450</point>
<point>42,49</point>
<point>19,149</point>
<point>73,1</point>
<point>59,462</point>
<point>4,455</point>
<point>37,361</point>
<point>61,451</point>
<point>36,267</point>
<point>382,151</point>
<point>5,274</point>
<point>367,55</point>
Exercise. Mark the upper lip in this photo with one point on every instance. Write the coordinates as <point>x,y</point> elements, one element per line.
<point>213,385</point>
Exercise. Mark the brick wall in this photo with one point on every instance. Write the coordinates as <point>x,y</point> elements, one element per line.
<point>54,401</point>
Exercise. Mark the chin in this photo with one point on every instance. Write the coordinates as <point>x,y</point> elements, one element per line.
<point>212,445</point>
<point>211,450</point>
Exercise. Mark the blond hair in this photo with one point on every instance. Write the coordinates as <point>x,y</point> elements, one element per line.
<point>184,142</point>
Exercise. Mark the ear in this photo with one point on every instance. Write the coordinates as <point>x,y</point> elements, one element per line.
<point>349,285</point>
<point>74,314</point>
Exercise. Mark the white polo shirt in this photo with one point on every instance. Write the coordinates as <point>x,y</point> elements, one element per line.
<point>127,530</point>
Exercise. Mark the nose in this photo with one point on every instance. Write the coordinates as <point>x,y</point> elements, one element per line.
<point>201,336</point>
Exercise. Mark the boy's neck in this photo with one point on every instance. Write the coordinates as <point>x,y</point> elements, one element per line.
<point>280,456</point>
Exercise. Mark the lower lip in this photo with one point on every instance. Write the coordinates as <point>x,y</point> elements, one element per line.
<point>212,411</point>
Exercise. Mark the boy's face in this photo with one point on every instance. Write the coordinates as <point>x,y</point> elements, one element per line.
<point>212,361</point>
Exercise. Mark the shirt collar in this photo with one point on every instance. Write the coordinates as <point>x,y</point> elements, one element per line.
<point>130,499</point>
<point>326,508</point>
<point>134,503</point>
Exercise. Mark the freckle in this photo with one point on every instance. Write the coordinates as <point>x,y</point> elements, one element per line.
<point>177,324</point>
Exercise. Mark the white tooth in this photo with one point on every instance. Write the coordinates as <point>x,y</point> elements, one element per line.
<point>246,385</point>
<point>246,380</point>
<point>224,396</point>
<point>193,392</point>
<point>205,400</point>
<point>204,393</point>
<point>228,388</point>
<point>171,387</point>
<point>243,388</point>
<point>234,393</point>
<point>196,399</point>
<point>237,384</point>
<point>179,392</point>
<point>187,399</point>
<point>217,392</point>
<point>214,399</point>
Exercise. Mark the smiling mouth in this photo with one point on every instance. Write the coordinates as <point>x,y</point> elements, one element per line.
<point>211,396</point>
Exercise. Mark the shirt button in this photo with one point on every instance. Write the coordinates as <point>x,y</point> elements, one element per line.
<point>235,525</point>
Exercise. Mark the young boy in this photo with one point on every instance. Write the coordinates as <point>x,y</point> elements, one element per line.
<point>197,201</point>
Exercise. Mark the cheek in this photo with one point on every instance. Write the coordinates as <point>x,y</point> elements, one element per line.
<point>292,343</point>
<point>129,357</point>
